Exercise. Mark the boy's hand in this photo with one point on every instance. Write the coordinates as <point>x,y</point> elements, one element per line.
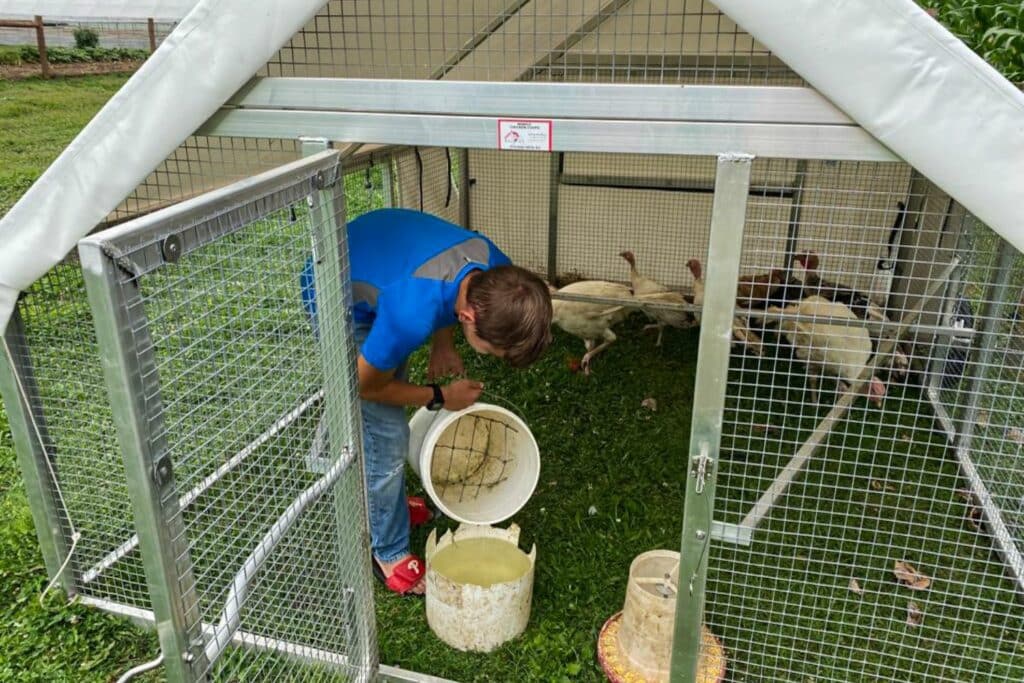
<point>444,362</point>
<point>461,394</point>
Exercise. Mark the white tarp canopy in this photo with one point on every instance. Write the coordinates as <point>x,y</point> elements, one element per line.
<point>886,63</point>
<point>915,87</point>
<point>123,10</point>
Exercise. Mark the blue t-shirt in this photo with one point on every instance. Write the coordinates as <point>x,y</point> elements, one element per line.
<point>406,268</point>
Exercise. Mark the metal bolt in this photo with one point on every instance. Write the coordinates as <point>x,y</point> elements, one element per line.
<point>162,471</point>
<point>171,248</point>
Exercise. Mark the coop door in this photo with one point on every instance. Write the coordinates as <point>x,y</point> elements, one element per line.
<point>230,363</point>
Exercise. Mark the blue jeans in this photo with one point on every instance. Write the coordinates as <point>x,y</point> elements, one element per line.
<point>385,446</point>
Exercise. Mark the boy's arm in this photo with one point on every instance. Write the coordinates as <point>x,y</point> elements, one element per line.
<point>444,358</point>
<point>382,387</point>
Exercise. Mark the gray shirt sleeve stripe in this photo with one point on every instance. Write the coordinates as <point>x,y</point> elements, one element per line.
<point>446,265</point>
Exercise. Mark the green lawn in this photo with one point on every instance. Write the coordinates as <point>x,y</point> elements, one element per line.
<point>611,487</point>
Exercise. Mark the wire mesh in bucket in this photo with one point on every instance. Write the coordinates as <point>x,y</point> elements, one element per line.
<point>479,465</point>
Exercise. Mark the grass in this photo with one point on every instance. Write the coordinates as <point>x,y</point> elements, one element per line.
<point>40,119</point>
<point>611,487</point>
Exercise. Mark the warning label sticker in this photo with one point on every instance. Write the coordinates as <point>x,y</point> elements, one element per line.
<point>524,134</point>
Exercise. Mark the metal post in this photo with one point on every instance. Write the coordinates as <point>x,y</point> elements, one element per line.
<point>387,177</point>
<point>557,164</point>
<point>28,428</point>
<point>931,374</point>
<point>151,25</point>
<point>795,206</point>
<point>998,296</point>
<point>728,214</point>
<point>44,62</point>
<point>464,185</point>
<point>342,412</point>
<point>126,349</point>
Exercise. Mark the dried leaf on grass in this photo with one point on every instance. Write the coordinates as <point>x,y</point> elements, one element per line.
<point>910,577</point>
<point>879,486</point>
<point>649,403</point>
<point>983,419</point>
<point>915,617</point>
<point>1015,434</point>
<point>855,587</point>
<point>766,429</point>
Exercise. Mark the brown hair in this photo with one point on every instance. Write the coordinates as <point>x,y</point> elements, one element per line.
<point>513,312</point>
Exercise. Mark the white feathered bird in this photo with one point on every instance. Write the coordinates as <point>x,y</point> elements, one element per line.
<point>646,289</point>
<point>840,350</point>
<point>591,321</point>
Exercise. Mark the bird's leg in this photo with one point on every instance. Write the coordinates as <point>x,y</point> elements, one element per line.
<point>585,361</point>
<point>812,382</point>
<point>609,337</point>
<point>660,327</point>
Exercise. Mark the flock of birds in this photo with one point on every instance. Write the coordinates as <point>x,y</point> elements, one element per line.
<point>839,350</point>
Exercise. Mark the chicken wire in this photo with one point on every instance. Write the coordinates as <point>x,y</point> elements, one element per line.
<point>853,546</point>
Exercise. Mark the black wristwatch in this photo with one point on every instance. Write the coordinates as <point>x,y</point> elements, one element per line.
<point>437,402</point>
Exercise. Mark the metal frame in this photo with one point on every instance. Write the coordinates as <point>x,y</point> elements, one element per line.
<point>653,119</point>
<point>27,422</point>
<point>112,284</point>
<point>337,351</point>
<point>134,389</point>
<point>557,164</point>
<point>728,216</point>
<point>1000,294</point>
<point>240,638</point>
<point>711,103</point>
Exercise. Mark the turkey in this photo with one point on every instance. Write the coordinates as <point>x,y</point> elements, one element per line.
<point>741,332</point>
<point>840,350</point>
<point>646,289</point>
<point>591,322</point>
<point>860,304</point>
<point>756,291</point>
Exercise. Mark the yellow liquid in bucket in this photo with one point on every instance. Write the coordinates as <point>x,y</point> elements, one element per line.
<point>481,561</point>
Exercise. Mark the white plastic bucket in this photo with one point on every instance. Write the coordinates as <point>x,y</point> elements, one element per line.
<point>475,616</point>
<point>479,465</point>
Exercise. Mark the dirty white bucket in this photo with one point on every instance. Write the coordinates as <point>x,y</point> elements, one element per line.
<point>479,465</point>
<point>479,586</point>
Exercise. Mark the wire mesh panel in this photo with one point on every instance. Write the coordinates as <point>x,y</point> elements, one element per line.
<point>675,41</point>
<point>851,544</point>
<point>53,351</point>
<point>252,520</point>
<point>201,164</point>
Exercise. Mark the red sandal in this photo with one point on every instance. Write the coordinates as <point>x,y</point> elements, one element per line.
<point>404,577</point>
<point>419,512</point>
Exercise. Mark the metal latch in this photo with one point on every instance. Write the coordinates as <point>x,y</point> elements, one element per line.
<point>700,466</point>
